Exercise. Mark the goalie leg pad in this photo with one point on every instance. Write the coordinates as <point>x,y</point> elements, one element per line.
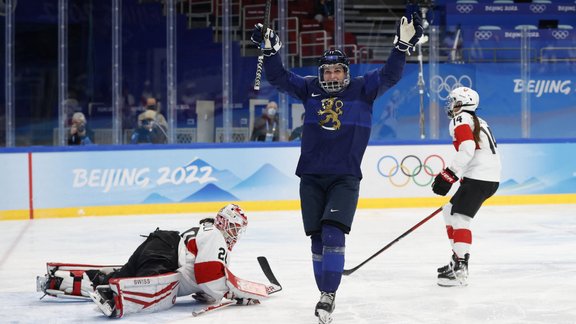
<point>74,282</point>
<point>70,280</point>
<point>143,294</point>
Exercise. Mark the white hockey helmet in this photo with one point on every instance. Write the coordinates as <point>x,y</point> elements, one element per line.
<point>462,99</point>
<point>232,222</point>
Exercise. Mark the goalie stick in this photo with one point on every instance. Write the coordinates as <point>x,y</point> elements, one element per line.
<point>270,289</point>
<point>350,271</point>
<point>269,274</point>
<point>265,26</point>
<point>213,307</point>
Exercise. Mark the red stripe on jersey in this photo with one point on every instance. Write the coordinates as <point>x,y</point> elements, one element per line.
<point>450,232</point>
<point>208,271</point>
<point>192,247</point>
<point>462,236</point>
<point>462,133</point>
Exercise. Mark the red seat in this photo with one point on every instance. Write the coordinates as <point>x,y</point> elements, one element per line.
<point>314,43</point>
<point>292,30</point>
<point>310,24</point>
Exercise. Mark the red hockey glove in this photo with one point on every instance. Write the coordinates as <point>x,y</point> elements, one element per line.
<point>443,182</point>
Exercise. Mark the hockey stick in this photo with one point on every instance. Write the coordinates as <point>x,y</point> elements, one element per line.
<point>269,275</point>
<point>214,307</point>
<point>350,271</point>
<point>271,289</point>
<point>265,26</point>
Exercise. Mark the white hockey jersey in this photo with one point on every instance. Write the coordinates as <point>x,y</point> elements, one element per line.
<point>479,162</point>
<point>203,258</point>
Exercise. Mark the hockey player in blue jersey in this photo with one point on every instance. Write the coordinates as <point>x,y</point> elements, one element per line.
<point>337,124</point>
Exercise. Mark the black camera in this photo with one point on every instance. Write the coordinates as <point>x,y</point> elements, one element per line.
<point>81,128</point>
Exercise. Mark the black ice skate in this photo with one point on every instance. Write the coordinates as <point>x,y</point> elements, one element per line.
<point>456,275</point>
<point>104,299</point>
<point>450,264</point>
<point>325,307</point>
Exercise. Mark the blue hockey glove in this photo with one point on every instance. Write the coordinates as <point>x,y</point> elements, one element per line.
<point>270,44</point>
<point>443,182</point>
<point>408,33</point>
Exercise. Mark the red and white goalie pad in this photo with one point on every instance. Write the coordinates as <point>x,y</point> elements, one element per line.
<point>242,288</point>
<point>69,280</point>
<point>145,294</point>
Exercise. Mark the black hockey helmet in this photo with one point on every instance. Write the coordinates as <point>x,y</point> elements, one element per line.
<point>334,56</point>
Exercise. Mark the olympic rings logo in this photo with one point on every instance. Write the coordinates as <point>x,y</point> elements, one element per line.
<point>560,34</point>
<point>483,34</point>
<point>537,8</point>
<point>410,168</point>
<point>464,8</point>
<point>443,86</point>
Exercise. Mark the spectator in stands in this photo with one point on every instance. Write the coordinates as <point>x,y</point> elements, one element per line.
<point>79,133</point>
<point>323,9</point>
<point>128,101</point>
<point>266,126</point>
<point>296,134</point>
<point>152,126</point>
<point>152,104</point>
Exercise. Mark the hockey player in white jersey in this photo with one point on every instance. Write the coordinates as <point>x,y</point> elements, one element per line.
<point>478,163</point>
<point>168,264</point>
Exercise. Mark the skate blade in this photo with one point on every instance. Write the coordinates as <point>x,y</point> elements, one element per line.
<point>324,317</point>
<point>451,283</point>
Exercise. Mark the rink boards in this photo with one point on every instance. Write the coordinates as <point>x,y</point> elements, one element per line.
<point>112,180</point>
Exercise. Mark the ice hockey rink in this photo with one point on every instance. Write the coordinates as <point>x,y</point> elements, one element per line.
<point>522,269</point>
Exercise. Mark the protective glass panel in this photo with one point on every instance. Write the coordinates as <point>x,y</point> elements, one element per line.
<point>35,89</point>
<point>2,78</point>
<point>89,72</point>
<point>522,65</point>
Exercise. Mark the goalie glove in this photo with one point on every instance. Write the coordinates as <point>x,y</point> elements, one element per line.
<point>241,301</point>
<point>203,297</point>
<point>443,182</point>
<point>408,33</point>
<point>270,44</point>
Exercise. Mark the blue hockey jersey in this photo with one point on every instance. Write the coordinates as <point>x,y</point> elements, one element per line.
<point>336,126</point>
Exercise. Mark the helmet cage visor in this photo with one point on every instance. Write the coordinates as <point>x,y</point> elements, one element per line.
<point>232,223</point>
<point>332,86</point>
<point>453,104</point>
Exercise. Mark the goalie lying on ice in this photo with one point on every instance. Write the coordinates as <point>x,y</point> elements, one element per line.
<point>166,265</point>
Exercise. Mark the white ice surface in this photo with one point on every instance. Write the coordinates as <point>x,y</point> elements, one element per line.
<point>522,268</point>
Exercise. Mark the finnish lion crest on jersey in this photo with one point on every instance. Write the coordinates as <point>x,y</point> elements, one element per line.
<point>330,112</point>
